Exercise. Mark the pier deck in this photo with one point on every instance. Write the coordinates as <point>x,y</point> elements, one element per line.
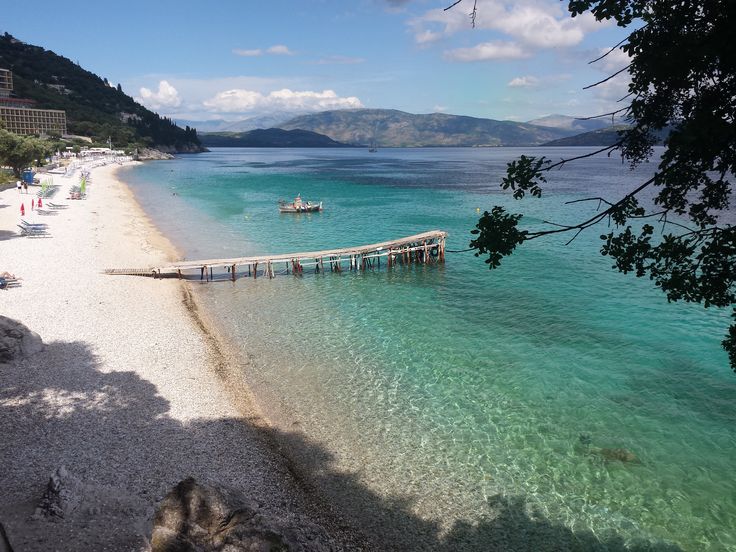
<point>424,248</point>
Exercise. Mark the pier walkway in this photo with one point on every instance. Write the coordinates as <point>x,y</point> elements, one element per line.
<point>424,248</point>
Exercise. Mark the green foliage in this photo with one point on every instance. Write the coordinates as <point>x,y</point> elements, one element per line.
<point>93,108</point>
<point>19,152</point>
<point>525,175</point>
<point>498,235</point>
<point>683,80</point>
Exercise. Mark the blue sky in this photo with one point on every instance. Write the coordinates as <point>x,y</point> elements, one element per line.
<point>228,59</point>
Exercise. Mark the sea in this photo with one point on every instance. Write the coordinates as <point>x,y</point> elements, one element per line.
<point>550,404</point>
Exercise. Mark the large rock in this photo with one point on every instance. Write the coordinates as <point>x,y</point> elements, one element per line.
<point>194,517</point>
<point>62,496</point>
<point>17,341</point>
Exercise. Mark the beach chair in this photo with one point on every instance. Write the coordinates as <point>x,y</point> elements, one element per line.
<point>57,205</point>
<point>32,230</point>
<point>24,222</point>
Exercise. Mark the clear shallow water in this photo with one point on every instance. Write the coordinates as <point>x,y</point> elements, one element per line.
<point>447,386</point>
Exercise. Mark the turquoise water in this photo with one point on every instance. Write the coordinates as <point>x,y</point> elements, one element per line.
<point>439,389</point>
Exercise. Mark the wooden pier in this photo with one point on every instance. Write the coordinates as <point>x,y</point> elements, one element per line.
<point>424,248</point>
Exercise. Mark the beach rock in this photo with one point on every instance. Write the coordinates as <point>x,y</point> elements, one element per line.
<point>62,496</point>
<point>195,517</point>
<point>17,341</point>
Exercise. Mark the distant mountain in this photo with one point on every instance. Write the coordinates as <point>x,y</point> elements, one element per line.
<point>270,138</point>
<point>271,120</point>
<point>573,124</point>
<point>93,106</point>
<point>600,137</point>
<point>392,128</point>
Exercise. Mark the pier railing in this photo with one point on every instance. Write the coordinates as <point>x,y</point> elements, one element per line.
<point>424,248</point>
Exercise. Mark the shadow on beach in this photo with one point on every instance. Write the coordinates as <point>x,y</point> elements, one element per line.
<point>114,430</point>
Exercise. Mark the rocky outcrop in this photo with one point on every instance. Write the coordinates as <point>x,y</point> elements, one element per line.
<point>195,517</point>
<point>150,154</point>
<point>182,148</point>
<point>17,341</point>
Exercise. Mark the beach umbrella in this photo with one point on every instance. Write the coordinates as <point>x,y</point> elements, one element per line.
<point>83,186</point>
<point>22,210</point>
<point>33,204</point>
<point>40,203</point>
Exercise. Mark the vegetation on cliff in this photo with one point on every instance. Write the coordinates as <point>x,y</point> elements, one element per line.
<point>94,107</point>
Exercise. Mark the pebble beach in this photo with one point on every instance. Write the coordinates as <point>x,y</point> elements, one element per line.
<point>130,393</point>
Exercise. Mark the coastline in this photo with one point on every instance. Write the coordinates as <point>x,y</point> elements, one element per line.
<point>133,391</point>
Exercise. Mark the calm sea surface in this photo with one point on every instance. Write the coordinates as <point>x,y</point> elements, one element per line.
<point>441,398</point>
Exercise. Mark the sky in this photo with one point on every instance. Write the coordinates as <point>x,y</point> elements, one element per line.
<point>232,60</point>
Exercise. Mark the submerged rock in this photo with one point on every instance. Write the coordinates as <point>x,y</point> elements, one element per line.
<point>618,454</point>
<point>194,517</point>
<point>17,341</point>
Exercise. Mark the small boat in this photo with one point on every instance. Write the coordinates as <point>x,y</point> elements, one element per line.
<point>299,206</point>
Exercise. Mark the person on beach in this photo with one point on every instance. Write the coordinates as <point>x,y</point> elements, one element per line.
<point>25,187</point>
<point>5,278</point>
<point>18,185</point>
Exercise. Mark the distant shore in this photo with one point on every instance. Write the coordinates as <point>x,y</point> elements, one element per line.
<point>132,392</point>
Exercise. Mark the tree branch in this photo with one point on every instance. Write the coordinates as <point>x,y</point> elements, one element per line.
<point>609,51</point>
<point>594,219</point>
<point>603,114</point>
<point>591,154</point>
<point>607,78</point>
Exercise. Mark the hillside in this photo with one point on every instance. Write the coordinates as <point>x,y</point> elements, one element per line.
<point>392,128</point>
<point>93,107</point>
<point>573,124</point>
<point>270,138</point>
<point>601,137</point>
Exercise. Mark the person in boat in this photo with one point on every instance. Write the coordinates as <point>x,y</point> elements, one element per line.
<point>298,203</point>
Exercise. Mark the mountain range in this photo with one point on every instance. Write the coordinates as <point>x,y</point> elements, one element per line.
<point>393,128</point>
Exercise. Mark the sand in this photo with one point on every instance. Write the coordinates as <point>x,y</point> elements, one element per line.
<point>131,392</point>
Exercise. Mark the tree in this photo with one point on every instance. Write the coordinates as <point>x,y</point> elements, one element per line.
<point>683,78</point>
<point>18,152</point>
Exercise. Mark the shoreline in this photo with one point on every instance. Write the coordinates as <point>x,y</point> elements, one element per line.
<point>104,390</point>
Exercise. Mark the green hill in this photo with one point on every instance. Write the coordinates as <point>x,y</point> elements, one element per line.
<point>270,138</point>
<point>93,107</point>
<point>392,128</point>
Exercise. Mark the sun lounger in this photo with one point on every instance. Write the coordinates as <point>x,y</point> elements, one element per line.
<point>24,222</point>
<point>32,231</point>
<point>57,205</point>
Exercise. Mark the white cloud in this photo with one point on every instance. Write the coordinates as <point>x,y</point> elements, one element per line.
<point>527,81</point>
<point>533,23</point>
<point>439,108</point>
<point>239,101</point>
<point>339,60</point>
<point>165,97</point>
<point>280,50</point>
<point>614,61</point>
<point>248,53</point>
<point>487,51</point>
<point>275,50</point>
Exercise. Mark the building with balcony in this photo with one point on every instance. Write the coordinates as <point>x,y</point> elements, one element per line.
<point>22,117</point>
